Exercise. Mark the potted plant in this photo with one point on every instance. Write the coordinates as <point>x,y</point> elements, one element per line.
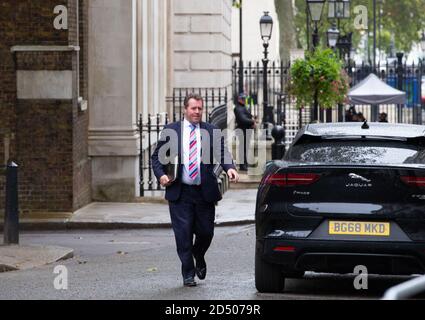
<point>320,78</point>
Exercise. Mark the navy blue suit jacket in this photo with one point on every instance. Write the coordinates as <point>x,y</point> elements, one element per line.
<point>210,190</point>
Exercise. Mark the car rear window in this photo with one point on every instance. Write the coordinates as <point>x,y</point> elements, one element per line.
<point>357,152</point>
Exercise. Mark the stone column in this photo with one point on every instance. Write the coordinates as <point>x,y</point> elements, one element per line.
<point>113,137</point>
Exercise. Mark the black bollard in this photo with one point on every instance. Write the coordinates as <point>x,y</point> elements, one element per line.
<point>11,218</point>
<point>278,147</point>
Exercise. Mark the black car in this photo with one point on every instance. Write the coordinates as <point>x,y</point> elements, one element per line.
<point>345,195</point>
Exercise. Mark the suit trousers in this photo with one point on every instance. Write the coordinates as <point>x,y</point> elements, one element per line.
<point>192,216</point>
<point>244,144</point>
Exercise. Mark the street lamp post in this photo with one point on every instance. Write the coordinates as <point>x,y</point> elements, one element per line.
<point>374,37</point>
<point>422,67</point>
<point>316,8</point>
<point>333,36</point>
<point>381,12</point>
<point>345,44</point>
<point>266,28</point>
<point>308,27</point>
<point>339,9</point>
<point>241,64</point>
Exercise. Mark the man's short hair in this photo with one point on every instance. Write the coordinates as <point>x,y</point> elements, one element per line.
<point>191,96</point>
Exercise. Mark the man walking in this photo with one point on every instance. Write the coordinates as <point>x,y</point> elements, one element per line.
<point>244,121</point>
<point>193,194</point>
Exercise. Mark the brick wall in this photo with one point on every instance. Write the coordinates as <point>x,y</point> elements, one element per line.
<point>82,165</point>
<point>45,155</point>
<point>73,12</point>
<point>49,137</point>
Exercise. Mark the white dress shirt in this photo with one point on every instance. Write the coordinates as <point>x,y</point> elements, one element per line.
<point>186,148</point>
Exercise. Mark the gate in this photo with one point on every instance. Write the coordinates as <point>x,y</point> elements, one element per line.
<point>407,78</point>
<point>213,98</point>
<point>398,75</point>
<point>277,80</point>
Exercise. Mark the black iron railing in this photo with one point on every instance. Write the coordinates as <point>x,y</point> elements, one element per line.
<point>277,80</point>
<point>398,74</point>
<point>150,131</point>
<point>408,78</point>
<point>213,97</point>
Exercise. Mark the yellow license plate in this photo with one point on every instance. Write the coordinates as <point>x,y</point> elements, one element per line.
<point>359,228</point>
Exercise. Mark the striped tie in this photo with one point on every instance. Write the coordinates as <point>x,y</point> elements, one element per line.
<point>193,155</point>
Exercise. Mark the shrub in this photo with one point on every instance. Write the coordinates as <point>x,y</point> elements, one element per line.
<point>320,72</point>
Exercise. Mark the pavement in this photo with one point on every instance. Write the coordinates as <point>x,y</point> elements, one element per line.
<point>236,208</point>
<point>14,258</point>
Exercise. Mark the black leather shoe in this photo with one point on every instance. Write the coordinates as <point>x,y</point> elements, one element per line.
<point>201,273</point>
<point>201,269</point>
<point>189,282</point>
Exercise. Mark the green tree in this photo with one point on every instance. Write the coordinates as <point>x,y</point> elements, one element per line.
<point>403,19</point>
<point>319,76</point>
<point>285,13</point>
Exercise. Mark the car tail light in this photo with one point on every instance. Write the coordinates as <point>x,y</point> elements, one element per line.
<point>413,181</point>
<point>284,249</point>
<point>292,179</point>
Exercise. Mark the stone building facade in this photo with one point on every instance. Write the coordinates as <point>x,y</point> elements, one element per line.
<point>202,44</point>
<point>70,98</point>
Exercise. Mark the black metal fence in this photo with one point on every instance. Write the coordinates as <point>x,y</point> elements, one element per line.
<point>150,128</point>
<point>399,75</point>
<point>407,78</point>
<point>213,98</point>
<point>277,80</point>
<point>150,132</point>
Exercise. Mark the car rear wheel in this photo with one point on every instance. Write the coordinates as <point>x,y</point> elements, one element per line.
<point>268,278</point>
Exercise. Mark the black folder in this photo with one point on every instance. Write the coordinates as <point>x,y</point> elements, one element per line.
<point>172,169</point>
<point>218,170</point>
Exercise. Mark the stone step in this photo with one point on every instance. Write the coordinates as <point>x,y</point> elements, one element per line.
<point>244,186</point>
